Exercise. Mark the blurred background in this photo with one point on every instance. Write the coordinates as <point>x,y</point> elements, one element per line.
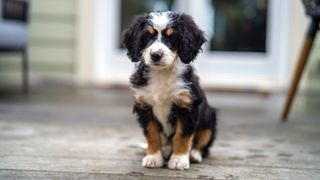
<point>66,109</point>
<point>252,44</point>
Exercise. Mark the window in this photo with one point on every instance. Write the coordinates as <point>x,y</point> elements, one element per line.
<point>239,25</point>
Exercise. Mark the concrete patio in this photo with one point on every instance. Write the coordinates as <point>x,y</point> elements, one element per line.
<point>92,134</point>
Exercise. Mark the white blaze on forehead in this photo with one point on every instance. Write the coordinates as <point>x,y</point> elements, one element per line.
<point>160,20</point>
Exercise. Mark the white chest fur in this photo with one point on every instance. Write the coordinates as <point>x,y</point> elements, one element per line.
<point>162,89</point>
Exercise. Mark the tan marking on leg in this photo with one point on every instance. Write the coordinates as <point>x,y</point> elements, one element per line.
<point>202,138</point>
<point>183,99</point>
<point>181,145</point>
<point>153,138</point>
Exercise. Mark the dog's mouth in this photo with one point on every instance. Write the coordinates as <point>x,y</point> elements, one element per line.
<point>158,65</point>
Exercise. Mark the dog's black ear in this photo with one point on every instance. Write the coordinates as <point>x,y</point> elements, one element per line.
<point>191,39</point>
<point>130,38</point>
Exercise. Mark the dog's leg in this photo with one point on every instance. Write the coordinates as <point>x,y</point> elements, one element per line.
<point>201,139</point>
<point>154,156</point>
<point>181,148</point>
<point>151,131</point>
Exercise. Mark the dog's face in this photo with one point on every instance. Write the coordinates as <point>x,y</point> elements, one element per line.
<point>161,38</point>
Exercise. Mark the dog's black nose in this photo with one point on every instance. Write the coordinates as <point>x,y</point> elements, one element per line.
<point>156,56</point>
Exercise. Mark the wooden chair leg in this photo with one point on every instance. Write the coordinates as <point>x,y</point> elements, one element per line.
<point>25,71</point>
<point>303,58</point>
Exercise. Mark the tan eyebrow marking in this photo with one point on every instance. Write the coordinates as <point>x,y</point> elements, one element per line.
<point>151,30</point>
<point>169,32</point>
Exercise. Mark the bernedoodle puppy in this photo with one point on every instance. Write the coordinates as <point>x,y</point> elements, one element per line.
<point>172,109</point>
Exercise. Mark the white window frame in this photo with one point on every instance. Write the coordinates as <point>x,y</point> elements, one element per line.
<point>232,70</point>
<point>249,70</point>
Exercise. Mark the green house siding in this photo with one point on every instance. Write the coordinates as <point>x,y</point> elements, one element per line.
<point>312,75</point>
<point>52,42</point>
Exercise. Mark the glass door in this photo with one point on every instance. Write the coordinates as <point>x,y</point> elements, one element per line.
<point>238,26</point>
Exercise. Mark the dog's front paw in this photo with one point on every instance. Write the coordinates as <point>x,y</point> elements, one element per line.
<point>153,161</point>
<point>180,162</point>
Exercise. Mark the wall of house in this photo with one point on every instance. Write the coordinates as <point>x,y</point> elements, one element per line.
<point>52,46</point>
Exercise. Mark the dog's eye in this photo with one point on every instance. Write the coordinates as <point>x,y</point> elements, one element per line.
<point>168,32</point>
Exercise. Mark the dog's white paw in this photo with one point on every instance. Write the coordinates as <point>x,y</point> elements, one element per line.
<point>153,161</point>
<point>195,156</point>
<point>180,162</point>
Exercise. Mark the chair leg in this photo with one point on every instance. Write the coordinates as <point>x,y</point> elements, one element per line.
<point>303,58</point>
<point>25,71</point>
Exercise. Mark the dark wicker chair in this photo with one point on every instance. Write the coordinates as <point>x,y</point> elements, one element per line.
<point>14,32</point>
<point>312,8</point>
